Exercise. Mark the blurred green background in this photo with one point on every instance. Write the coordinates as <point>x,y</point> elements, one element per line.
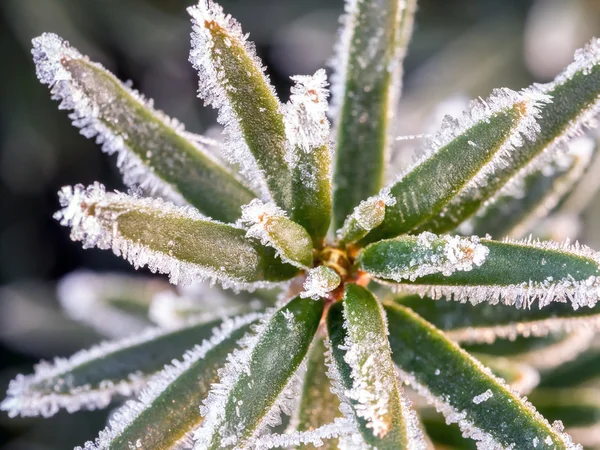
<point>461,49</point>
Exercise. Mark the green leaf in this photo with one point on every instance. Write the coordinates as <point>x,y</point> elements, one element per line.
<point>320,281</point>
<point>369,66</point>
<point>309,154</point>
<point>91,378</point>
<point>115,305</point>
<point>514,213</point>
<point>153,149</point>
<point>460,387</point>
<point>463,154</point>
<point>364,376</point>
<point>484,322</point>
<point>166,413</point>
<point>255,378</point>
<point>514,272</point>
<point>521,377</point>
<point>575,94</point>
<point>369,214</point>
<point>318,405</point>
<point>410,257</point>
<point>168,239</point>
<point>232,80</point>
<point>269,224</point>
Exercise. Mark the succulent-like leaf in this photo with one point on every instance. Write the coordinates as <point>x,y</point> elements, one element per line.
<point>364,375</point>
<point>320,281</point>
<point>484,323</point>
<point>166,412</point>
<point>464,153</point>
<point>245,400</point>
<point>269,224</point>
<point>515,213</point>
<point>232,79</point>
<point>309,154</point>
<point>464,390</point>
<point>411,257</point>
<point>91,378</point>
<point>152,149</point>
<point>113,304</point>
<point>368,67</point>
<point>318,405</point>
<point>514,273</point>
<point>168,239</point>
<point>575,100</point>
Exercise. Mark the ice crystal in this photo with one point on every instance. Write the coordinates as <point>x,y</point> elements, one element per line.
<point>123,417</point>
<point>50,53</point>
<point>213,84</point>
<point>320,281</point>
<point>483,397</point>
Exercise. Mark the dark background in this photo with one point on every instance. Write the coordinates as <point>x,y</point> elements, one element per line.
<point>464,46</point>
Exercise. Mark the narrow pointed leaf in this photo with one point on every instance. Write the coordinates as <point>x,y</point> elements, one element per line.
<point>465,391</point>
<point>232,80</point>
<point>309,154</point>
<point>318,405</point>
<point>514,273</point>
<point>269,224</point>
<point>152,149</point>
<point>364,375</point>
<point>166,413</point>
<point>575,100</point>
<point>515,212</point>
<point>168,239</point>
<point>410,257</point>
<point>253,380</point>
<point>369,61</point>
<point>91,378</point>
<point>484,322</point>
<point>113,304</point>
<point>464,153</point>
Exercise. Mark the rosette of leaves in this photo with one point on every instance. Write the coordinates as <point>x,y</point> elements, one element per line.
<point>369,304</point>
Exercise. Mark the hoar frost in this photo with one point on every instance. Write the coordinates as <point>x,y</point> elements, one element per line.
<point>320,281</point>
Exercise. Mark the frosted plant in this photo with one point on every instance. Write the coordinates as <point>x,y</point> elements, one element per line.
<point>360,311</point>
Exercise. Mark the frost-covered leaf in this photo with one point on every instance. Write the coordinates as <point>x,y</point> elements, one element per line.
<point>91,378</point>
<point>269,224</point>
<point>232,80</point>
<point>256,382</point>
<point>309,154</point>
<point>364,377</point>
<point>367,215</point>
<point>320,281</point>
<point>465,153</point>
<point>575,101</point>
<point>484,323</point>
<point>115,305</point>
<point>166,412</point>
<point>153,150</point>
<point>464,390</point>
<point>318,406</point>
<point>514,213</point>
<point>168,239</point>
<point>411,257</point>
<point>368,65</point>
<point>519,273</point>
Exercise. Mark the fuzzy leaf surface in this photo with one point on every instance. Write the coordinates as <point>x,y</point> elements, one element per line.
<point>153,149</point>
<point>91,378</point>
<point>464,390</point>
<point>168,239</point>
<point>272,360</point>
<point>514,272</point>
<point>368,384</point>
<point>372,45</point>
